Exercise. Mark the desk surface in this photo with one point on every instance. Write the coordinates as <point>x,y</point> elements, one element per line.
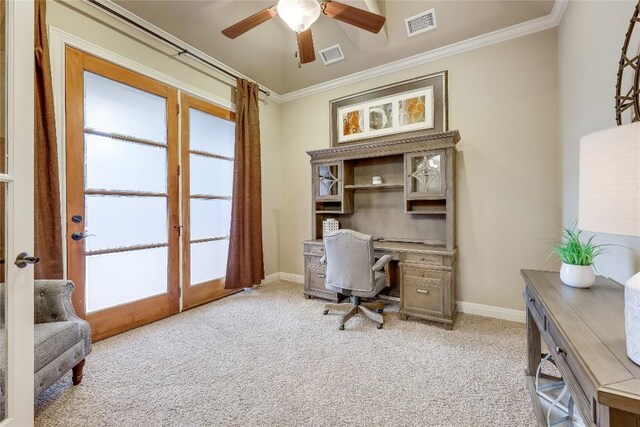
<point>593,322</point>
<point>385,245</point>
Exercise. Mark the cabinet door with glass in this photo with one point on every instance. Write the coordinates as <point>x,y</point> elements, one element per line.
<point>425,175</point>
<point>327,181</point>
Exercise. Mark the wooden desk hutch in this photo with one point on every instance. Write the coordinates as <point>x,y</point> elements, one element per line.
<point>412,216</point>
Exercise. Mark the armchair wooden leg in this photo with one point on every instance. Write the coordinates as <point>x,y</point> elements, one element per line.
<point>77,372</point>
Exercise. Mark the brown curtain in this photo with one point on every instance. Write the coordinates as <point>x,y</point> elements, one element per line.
<point>245,266</point>
<point>48,234</point>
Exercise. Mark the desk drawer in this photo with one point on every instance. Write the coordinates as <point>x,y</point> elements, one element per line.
<point>313,259</point>
<point>416,295</point>
<point>431,277</point>
<point>315,249</point>
<point>424,259</point>
<point>316,277</point>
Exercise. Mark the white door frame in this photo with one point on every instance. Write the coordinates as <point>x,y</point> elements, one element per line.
<point>19,221</point>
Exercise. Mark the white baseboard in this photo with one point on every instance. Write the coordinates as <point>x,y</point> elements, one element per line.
<point>463,306</point>
<point>491,311</point>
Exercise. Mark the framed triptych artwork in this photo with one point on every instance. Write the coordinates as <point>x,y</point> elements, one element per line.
<point>415,106</point>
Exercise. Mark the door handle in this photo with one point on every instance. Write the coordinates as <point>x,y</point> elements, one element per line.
<point>23,259</point>
<point>79,236</point>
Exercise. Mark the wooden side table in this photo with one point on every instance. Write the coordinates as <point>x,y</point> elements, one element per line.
<point>584,332</point>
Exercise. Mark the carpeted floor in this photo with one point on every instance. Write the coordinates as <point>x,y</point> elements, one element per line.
<point>268,357</point>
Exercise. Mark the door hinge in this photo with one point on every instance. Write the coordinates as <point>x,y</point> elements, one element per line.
<point>179,292</point>
<point>179,227</point>
<point>178,170</point>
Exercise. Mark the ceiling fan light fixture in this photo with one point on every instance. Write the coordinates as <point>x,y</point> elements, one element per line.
<point>299,14</point>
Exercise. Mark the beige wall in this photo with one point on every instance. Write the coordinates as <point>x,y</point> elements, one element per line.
<point>590,39</point>
<point>503,100</point>
<point>91,25</point>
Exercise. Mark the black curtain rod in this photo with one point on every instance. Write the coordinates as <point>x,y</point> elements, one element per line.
<point>181,50</point>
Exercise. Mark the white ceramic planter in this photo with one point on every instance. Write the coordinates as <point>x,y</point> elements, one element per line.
<point>577,276</point>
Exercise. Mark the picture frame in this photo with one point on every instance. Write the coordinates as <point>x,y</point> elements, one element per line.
<point>411,107</point>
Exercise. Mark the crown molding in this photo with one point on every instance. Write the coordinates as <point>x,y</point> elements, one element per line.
<point>519,30</point>
<point>59,39</point>
<point>135,18</point>
<point>558,11</point>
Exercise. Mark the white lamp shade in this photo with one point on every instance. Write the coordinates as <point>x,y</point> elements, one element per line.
<point>299,14</point>
<point>609,190</point>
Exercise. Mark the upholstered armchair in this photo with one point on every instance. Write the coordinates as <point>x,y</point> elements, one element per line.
<point>353,271</point>
<point>62,340</point>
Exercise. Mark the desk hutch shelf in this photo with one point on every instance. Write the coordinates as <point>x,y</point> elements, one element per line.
<point>411,215</point>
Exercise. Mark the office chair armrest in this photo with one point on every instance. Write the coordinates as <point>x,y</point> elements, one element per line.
<point>381,263</point>
<point>323,260</point>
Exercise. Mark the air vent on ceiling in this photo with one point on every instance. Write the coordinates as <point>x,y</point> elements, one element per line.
<point>421,22</point>
<point>331,54</point>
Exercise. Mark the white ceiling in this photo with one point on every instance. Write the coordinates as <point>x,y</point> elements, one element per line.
<point>266,53</point>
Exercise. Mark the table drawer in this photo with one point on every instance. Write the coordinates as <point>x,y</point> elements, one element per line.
<point>436,260</point>
<point>416,295</point>
<point>572,372</point>
<point>536,308</point>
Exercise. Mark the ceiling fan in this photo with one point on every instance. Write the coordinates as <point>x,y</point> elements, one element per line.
<point>300,14</point>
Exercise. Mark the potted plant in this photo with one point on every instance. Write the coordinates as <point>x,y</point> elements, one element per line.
<point>577,258</point>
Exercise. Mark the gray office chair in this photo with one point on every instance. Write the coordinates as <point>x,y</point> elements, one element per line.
<point>352,271</point>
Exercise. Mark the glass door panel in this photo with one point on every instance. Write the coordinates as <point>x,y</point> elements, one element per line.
<point>122,109</point>
<point>211,176</point>
<point>210,218</point>
<point>426,175</point>
<point>118,222</point>
<point>208,141</point>
<point>115,164</point>
<point>121,277</point>
<point>119,171</point>
<point>328,183</point>
<point>123,231</point>
<point>211,134</point>
<point>202,268</point>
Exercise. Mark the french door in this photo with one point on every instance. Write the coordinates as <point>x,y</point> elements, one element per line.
<point>124,215</point>
<point>122,194</point>
<point>208,140</point>
<point>16,212</point>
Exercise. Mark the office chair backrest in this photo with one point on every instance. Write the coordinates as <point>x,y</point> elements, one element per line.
<point>349,260</point>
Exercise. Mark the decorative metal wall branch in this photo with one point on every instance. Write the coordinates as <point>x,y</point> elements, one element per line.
<point>628,82</point>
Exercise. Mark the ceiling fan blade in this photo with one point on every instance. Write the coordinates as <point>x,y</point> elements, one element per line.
<point>352,15</point>
<point>305,47</point>
<point>253,21</point>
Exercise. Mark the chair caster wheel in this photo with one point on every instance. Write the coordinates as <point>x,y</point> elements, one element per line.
<point>341,327</point>
<point>325,312</point>
<point>379,326</point>
<point>380,310</point>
